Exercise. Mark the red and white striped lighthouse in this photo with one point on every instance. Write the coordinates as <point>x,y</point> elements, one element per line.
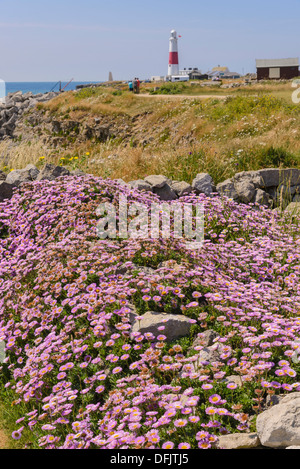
<point>173,68</point>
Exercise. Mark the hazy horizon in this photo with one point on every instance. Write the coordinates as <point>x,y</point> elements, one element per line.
<point>85,41</point>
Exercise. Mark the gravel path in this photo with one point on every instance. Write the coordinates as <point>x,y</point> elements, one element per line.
<point>181,96</point>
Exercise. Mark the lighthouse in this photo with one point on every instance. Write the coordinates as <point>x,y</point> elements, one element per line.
<point>173,69</point>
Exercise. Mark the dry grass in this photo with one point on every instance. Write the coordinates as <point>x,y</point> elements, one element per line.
<point>18,155</point>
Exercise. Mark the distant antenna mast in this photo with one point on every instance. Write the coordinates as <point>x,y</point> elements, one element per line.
<point>110,77</point>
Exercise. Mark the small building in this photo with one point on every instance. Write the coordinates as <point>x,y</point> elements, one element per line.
<point>193,73</point>
<point>157,78</point>
<point>277,69</point>
<point>218,73</point>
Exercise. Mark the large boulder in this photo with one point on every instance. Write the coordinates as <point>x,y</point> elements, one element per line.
<point>203,184</point>
<point>165,193</point>
<point>18,176</point>
<point>246,183</point>
<point>270,177</point>
<point>157,181</point>
<point>51,172</point>
<point>227,189</point>
<point>181,188</point>
<point>262,198</point>
<point>279,426</point>
<point>176,325</point>
<point>293,209</point>
<point>11,123</point>
<point>210,354</point>
<point>141,185</point>
<point>275,176</point>
<point>290,177</point>
<point>6,191</point>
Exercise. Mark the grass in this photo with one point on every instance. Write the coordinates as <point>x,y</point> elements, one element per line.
<point>8,424</point>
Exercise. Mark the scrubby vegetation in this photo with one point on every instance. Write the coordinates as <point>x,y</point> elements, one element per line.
<point>253,127</point>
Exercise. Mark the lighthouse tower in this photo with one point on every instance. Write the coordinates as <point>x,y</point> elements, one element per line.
<point>173,68</point>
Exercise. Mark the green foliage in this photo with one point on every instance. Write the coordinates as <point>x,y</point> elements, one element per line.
<point>259,158</point>
<point>169,88</point>
<point>234,108</point>
<point>85,93</point>
<point>276,157</point>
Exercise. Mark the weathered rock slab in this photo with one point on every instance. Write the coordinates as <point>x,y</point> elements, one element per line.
<point>165,193</point>
<point>293,208</point>
<point>140,185</point>
<point>181,188</point>
<point>156,181</point>
<point>176,325</point>
<point>18,176</point>
<point>238,441</point>
<point>227,189</point>
<point>51,172</point>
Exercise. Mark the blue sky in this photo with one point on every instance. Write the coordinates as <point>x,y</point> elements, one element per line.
<point>59,40</point>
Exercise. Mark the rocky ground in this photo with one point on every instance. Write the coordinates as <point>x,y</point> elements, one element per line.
<point>22,119</point>
<point>15,107</point>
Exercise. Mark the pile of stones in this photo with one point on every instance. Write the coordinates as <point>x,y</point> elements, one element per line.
<point>15,105</point>
<point>272,187</point>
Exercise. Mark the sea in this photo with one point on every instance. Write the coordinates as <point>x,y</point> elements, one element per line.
<point>43,86</point>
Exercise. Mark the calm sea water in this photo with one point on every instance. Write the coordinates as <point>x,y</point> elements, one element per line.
<point>41,87</point>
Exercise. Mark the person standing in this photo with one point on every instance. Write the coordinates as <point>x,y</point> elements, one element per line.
<point>135,85</point>
<point>138,85</point>
<point>130,86</point>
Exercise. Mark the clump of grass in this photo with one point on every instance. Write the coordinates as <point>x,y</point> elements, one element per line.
<point>169,88</point>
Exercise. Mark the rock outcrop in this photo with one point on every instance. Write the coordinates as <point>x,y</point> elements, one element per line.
<point>15,105</point>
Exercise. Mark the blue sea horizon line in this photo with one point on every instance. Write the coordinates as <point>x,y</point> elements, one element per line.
<point>37,87</point>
